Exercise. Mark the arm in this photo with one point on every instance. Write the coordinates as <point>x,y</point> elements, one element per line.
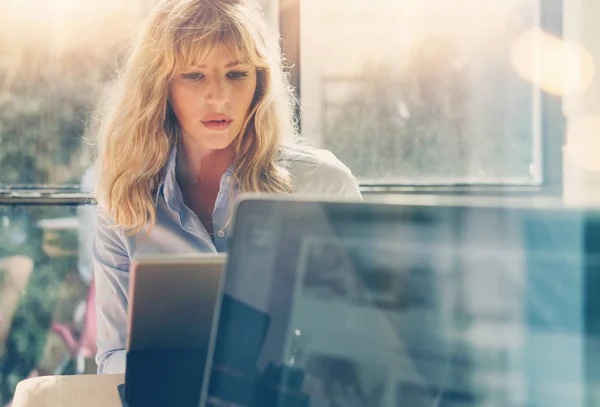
<point>111,274</point>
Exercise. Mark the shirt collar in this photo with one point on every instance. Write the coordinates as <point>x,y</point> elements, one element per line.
<point>168,185</point>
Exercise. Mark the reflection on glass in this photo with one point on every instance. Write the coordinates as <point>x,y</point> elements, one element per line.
<point>419,306</point>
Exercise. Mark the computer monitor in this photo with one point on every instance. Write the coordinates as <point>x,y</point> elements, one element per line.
<point>362,304</point>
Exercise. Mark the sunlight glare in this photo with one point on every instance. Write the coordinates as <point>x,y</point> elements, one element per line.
<point>63,23</point>
<point>69,32</point>
<point>558,67</point>
<point>583,142</point>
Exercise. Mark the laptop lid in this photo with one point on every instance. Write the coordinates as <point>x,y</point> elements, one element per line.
<point>172,301</point>
<point>171,312</point>
<point>386,305</point>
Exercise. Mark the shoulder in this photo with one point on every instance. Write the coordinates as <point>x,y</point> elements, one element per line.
<point>318,171</point>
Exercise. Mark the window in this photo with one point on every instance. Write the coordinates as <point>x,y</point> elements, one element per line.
<point>422,92</point>
<point>56,57</point>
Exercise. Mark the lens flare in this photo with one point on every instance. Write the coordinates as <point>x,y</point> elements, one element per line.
<point>557,66</point>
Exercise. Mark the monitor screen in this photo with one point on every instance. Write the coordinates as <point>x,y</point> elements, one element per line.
<point>358,304</point>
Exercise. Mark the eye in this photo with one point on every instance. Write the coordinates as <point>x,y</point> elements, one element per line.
<point>237,74</point>
<point>193,76</point>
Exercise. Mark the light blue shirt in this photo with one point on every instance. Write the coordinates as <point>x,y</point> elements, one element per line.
<point>179,231</point>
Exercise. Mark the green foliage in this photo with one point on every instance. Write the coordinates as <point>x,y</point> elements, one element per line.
<point>29,326</point>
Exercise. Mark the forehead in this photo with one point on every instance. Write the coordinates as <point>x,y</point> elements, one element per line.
<point>210,52</point>
<point>222,56</point>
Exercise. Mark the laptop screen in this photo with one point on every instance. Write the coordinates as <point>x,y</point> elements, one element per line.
<point>347,304</point>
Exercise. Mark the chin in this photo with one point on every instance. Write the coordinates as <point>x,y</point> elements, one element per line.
<point>217,143</point>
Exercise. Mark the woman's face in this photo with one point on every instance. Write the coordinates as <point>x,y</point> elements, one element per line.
<point>211,101</point>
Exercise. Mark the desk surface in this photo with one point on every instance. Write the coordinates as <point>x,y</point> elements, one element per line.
<point>69,391</point>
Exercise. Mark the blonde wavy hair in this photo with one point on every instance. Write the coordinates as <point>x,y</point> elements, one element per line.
<point>139,129</point>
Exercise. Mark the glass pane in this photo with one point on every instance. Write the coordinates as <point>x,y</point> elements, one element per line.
<point>55,57</point>
<point>45,277</point>
<point>413,91</point>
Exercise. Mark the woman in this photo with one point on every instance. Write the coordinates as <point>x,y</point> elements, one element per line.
<point>202,112</point>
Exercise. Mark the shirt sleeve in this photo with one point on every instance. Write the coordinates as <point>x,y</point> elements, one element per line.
<point>111,274</point>
<point>333,179</point>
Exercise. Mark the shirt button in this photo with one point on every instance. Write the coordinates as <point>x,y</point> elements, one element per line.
<point>221,234</point>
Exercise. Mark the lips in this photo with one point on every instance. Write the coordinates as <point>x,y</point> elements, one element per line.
<point>217,122</point>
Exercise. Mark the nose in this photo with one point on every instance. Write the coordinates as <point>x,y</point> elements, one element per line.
<point>217,91</point>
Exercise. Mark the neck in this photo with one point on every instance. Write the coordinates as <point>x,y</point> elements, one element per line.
<point>200,167</point>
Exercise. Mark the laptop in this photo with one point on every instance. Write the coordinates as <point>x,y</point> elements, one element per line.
<point>171,312</point>
<point>369,305</point>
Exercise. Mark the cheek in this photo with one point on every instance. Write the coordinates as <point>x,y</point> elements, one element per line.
<point>183,102</point>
